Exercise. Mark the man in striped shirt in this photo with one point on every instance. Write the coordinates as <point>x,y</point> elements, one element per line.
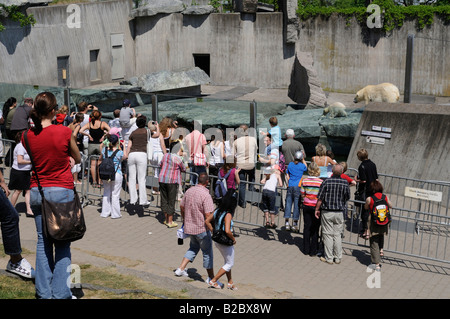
<point>195,207</point>
<point>332,198</point>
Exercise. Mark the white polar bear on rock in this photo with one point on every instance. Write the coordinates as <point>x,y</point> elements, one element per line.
<point>384,92</point>
<point>336,109</point>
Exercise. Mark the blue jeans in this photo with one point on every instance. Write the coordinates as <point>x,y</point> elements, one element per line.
<point>292,197</point>
<point>53,259</point>
<point>197,170</point>
<point>9,219</point>
<point>201,241</point>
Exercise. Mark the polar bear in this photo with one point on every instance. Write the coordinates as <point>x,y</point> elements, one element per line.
<point>336,109</point>
<point>384,92</point>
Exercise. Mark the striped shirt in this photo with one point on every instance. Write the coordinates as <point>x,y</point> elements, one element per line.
<point>197,202</point>
<point>310,189</point>
<point>334,193</point>
<point>171,168</point>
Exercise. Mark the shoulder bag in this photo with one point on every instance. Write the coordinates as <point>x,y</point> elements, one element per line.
<point>219,235</point>
<point>199,158</point>
<point>60,221</point>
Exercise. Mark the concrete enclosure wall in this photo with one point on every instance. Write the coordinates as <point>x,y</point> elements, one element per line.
<point>347,58</point>
<point>243,49</point>
<point>29,55</point>
<point>419,146</point>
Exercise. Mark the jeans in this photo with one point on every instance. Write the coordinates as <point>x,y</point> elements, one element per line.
<point>197,170</point>
<point>292,197</point>
<point>245,175</point>
<point>201,241</point>
<point>53,259</point>
<point>137,173</point>
<point>9,219</point>
<point>268,201</point>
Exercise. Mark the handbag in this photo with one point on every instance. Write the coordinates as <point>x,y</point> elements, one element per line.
<point>219,235</point>
<point>199,158</point>
<point>60,221</point>
<point>149,146</point>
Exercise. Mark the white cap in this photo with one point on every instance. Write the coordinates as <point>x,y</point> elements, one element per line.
<point>298,155</point>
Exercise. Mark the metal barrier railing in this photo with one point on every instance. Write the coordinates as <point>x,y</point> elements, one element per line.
<point>6,154</point>
<point>420,226</point>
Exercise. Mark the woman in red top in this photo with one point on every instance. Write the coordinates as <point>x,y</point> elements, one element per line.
<point>376,232</point>
<point>51,148</point>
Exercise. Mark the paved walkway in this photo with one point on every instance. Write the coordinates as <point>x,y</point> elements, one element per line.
<point>268,264</point>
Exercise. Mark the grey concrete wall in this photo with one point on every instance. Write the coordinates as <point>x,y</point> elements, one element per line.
<point>244,50</point>
<point>419,146</point>
<point>347,59</point>
<point>30,55</point>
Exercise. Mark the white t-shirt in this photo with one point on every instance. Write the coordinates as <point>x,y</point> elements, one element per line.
<point>20,150</point>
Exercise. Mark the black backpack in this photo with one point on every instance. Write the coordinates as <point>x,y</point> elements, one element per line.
<point>381,214</point>
<point>106,169</point>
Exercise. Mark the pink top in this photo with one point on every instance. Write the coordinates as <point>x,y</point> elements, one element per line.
<point>195,141</point>
<point>197,202</point>
<point>231,180</point>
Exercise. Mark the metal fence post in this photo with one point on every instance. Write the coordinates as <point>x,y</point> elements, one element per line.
<point>409,68</point>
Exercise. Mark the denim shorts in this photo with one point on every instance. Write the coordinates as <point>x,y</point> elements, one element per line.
<point>268,201</point>
<point>201,241</point>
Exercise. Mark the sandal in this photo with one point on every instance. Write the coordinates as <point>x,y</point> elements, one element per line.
<point>232,287</point>
<point>364,236</point>
<point>214,284</point>
<point>378,267</point>
<point>267,225</point>
<point>272,225</point>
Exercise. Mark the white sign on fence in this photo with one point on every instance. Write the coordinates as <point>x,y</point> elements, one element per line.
<point>423,194</point>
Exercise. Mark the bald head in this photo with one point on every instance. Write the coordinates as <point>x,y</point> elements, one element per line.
<point>338,169</point>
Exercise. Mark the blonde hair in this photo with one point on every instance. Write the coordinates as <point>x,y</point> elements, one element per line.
<point>313,169</point>
<point>63,110</point>
<point>344,166</point>
<point>362,154</point>
<point>321,150</point>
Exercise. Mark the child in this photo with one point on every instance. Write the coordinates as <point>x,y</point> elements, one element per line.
<point>351,182</point>
<point>116,121</point>
<point>271,181</point>
<point>294,174</point>
<point>20,175</point>
<point>275,133</point>
<point>111,191</point>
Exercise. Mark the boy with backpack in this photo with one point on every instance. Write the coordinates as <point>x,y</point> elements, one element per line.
<point>379,207</point>
<point>111,174</point>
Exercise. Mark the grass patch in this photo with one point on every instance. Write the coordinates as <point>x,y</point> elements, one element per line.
<point>97,283</point>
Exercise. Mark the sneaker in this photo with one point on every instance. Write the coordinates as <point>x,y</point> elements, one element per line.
<point>287,227</point>
<point>180,273</point>
<point>337,261</point>
<point>22,268</point>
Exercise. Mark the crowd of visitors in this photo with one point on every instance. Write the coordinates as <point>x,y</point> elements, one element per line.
<point>59,141</point>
